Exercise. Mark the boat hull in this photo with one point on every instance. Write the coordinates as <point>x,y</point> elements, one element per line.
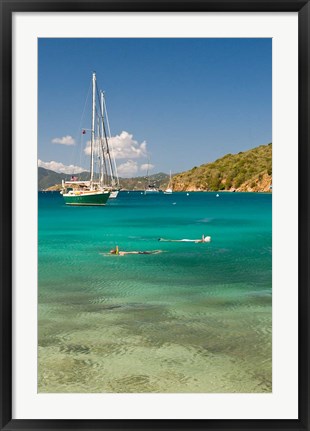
<point>168,192</point>
<point>151,191</point>
<point>83,199</point>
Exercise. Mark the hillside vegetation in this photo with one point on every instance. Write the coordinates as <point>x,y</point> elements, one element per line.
<point>246,171</point>
<point>139,183</point>
<point>50,180</point>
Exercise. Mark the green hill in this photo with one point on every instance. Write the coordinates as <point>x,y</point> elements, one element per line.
<point>139,183</point>
<point>246,171</point>
<point>50,180</point>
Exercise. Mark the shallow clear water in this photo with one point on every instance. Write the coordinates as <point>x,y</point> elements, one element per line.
<point>194,318</point>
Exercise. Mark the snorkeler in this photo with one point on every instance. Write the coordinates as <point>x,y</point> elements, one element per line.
<point>115,250</point>
<point>122,253</point>
<point>203,239</point>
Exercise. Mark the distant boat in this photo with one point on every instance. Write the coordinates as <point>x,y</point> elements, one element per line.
<point>150,188</point>
<point>91,192</point>
<point>168,190</point>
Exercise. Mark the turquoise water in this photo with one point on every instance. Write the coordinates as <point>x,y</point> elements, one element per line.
<point>193,318</point>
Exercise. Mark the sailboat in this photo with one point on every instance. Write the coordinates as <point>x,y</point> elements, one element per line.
<point>93,191</point>
<point>150,188</point>
<point>168,190</point>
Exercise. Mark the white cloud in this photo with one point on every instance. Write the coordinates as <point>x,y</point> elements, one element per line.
<point>124,147</point>
<point>87,148</point>
<point>60,167</point>
<point>65,140</point>
<point>127,169</point>
<point>147,166</point>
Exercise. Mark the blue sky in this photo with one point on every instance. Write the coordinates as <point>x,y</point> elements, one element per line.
<point>177,102</point>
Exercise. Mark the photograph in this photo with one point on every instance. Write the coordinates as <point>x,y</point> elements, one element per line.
<point>155,188</point>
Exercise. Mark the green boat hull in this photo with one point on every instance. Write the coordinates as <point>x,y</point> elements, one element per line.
<point>87,199</point>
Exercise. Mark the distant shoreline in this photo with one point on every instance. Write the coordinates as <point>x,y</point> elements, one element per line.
<point>183,191</point>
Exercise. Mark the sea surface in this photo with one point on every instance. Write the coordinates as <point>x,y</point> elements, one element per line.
<point>193,318</point>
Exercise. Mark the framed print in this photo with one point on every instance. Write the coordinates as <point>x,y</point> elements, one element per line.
<point>154,215</point>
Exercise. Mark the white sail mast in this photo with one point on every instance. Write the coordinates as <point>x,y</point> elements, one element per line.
<point>93,132</point>
<point>101,135</point>
<point>110,143</point>
<point>104,137</point>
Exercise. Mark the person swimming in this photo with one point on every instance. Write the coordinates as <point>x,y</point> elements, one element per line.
<point>203,239</point>
<point>117,252</point>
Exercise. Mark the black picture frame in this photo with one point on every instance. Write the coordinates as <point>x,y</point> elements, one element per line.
<point>7,9</point>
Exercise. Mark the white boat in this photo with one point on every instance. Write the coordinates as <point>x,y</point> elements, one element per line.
<point>150,188</point>
<point>168,190</point>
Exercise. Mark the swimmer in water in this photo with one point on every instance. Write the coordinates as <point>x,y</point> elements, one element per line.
<point>204,239</point>
<point>196,241</point>
<point>122,253</point>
